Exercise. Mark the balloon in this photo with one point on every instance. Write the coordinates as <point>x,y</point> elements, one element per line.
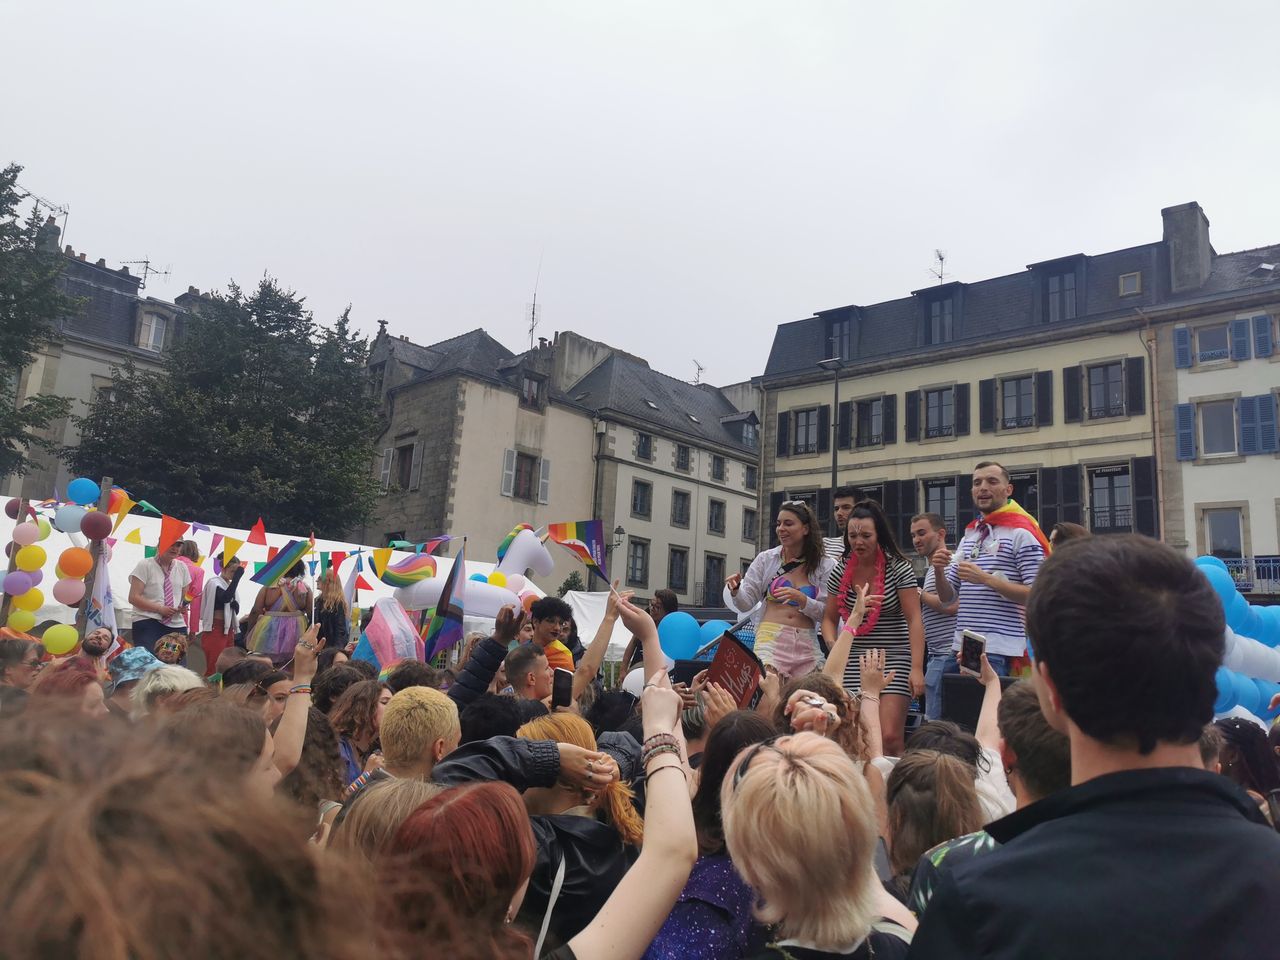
<point>32,600</point>
<point>497,579</point>
<point>515,583</point>
<point>633,683</point>
<point>96,525</point>
<point>26,533</point>
<point>1212,562</point>
<point>11,509</point>
<point>1246,694</point>
<point>678,634</point>
<point>82,490</point>
<point>1226,692</point>
<point>21,620</point>
<point>37,576</point>
<point>45,527</point>
<point>528,600</point>
<point>1237,611</point>
<point>75,562</point>
<point>17,583</point>
<point>478,578</point>
<point>710,631</point>
<point>69,592</point>
<point>1222,584</point>
<point>30,558</point>
<point>67,518</point>
<point>60,638</point>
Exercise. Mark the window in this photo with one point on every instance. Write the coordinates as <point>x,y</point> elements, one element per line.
<point>151,333</point>
<point>752,479</point>
<point>717,468</point>
<point>715,516</point>
<point>941,324</point>
<point>1218,427</point>
<point>746,565</point>
<point>750,435</point>
<point>870,422</point>
<point>680,508</point>
<point>393,536</point>
<point>377,378</point>
<point>1106,390</point>
<point>714,580</point>
<point>1223,533</point>
<point>1060,290</point>
<point>1110,500</point>
<point>940,498</point>
<point>678,570</point>
<point>638,563</point>
<point>404,466</point>
<point>530,391</point>
<point>641,499</point>
<point>841,339</point>
<point>749,523</point>
<point>526,477</point>
<point>682,457</point>
<point>806,439</point>
<point>1213,343</point>
<point>1018,408</point>
<point>644,446</point>
<point>1130,284</point>
<point>939,415</point>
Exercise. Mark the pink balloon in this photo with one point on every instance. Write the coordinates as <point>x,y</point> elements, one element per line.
<point>26,533</point>
<point>68,591</point>
<point>515,582</point>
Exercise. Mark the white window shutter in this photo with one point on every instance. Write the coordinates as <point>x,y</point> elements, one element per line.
<point>415,470</point>
<point>388,454</point>
<point>508,472</point>
<point>544,480</point>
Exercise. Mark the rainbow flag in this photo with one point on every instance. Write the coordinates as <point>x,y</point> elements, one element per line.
<point>584,539</point>
<point>409,571</point>
<point>445,628</point>
<point>272,572</point>
<point>1012,515</point>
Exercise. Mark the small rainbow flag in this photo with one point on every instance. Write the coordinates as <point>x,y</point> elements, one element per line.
<point>584,539</point>
<point>409,571</point>
<point>271,573</point>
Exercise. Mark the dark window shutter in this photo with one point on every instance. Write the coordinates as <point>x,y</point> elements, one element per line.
<point>1069,490</point>
<point>784,434</point>
<point>911,423</point>
<point>1247,424</point>
<point>1044,398</point>
<point>986,406</point>
<point>1071,396</point>
<point>1240,337</point>
<point>890,502</point>
<point>907,508</point>
<point>1142,477</point>
<point>962,409</point>
<point>1268,440</point>
<point>844,425</point>
<point>964,502</point>
<point>1184,420</point>
<point>824,510</point>
<point>1263,344</point>
<point>824,428</point>
<point>1135,384</point>
<point>890,422</point>
<point>1181,347</point>
<point>1050,499</point>
<point>775,501</point>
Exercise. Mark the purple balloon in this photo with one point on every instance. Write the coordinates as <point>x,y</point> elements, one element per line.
<point>36,577</point>
<point>17,583</point>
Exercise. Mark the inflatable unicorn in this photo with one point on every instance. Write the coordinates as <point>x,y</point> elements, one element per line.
<point>418,587</point>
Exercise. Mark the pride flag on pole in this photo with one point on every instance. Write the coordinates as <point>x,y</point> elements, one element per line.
<point>270,574</point>
<point>445,628</point>
<point>584,539</point>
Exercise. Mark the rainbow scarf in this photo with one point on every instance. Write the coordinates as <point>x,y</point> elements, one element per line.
<point>1012,515</point>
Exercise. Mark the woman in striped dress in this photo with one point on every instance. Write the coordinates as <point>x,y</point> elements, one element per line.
<point>873,561</point>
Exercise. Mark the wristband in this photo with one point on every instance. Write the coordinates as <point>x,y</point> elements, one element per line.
<point>667,766</point>
<point>301,688</point>
<point>864,696</point>
<point>653,752</point>
<point>658,738</point>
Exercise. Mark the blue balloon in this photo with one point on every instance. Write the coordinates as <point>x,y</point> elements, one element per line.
<point>678,635</point>
<point>82,490</point>
<point>1222,584</point>
<point>1226,691</point>
<point>1211,562</point>
<point>67,518</point>
<point>479,578</point>
<point>1237,612</point>
<point>711,630</point>
<point>1247,695</point>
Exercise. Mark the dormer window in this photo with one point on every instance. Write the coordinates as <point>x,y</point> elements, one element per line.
<point>151,332</point>
<point>840,339</point>
<point>749,435</point>
<point>530,391</point>
<point>942,320</point>
<point>1060,296</point>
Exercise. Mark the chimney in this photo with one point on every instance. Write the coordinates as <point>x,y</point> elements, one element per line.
<point>69,251</point>
<point>81,258</point>
<point>102,261</point>
<point>193,291</point>
<point>1186,236</point>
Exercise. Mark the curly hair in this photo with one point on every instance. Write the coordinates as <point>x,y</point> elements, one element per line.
<point>318,775</point>
<point>851,735</point>
<point>355,713</point>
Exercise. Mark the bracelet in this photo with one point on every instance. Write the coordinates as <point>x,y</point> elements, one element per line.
<point>301,688</point>
<point>658,751</point>
<point>659,738</point>
<point>863,696</point>
<point>667,766</point>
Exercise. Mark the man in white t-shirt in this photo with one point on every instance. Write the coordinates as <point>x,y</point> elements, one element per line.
<point>156,588</point>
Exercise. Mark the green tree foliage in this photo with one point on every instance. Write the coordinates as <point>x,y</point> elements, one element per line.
<point>29,304</point>
<point>572,582</point>
<point>258,411</point>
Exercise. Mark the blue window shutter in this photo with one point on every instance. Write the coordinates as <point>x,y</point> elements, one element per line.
<point>1184,419</point>
<point>1247,425</point>
<point>1268,439</point>
<point>1263,343</point>
<point>1240,338</point>
<point>1181,347</point>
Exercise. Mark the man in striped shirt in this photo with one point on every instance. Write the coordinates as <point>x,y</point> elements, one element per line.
<point>991,571</point>
<point>841,506</point>
<point>928,533</point>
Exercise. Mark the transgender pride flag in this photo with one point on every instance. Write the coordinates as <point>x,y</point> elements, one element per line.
<point>584,539</point>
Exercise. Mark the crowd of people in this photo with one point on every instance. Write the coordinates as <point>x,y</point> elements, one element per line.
<point>311,806</point>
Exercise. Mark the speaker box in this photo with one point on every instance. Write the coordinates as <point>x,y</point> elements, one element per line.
<point>962,698</point>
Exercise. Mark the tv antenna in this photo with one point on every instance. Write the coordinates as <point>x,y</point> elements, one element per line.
<point>697,372</point>
<point>940,271</point>
<point>531,312</point>
<point>148,271</point>
<point>57,209</point>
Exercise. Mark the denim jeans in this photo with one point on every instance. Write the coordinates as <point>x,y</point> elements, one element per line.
<point>999,663</point>
<point>934,667</point>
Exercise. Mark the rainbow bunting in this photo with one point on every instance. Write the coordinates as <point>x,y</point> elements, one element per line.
<point>584,539</point>
<point>446,627</point>
<point>275,568</point>
<point>409,571</point>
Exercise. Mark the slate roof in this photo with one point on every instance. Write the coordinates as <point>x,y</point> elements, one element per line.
<point>473,352</point>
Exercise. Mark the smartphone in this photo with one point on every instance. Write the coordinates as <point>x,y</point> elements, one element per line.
<point>972,647</point>
<point>562,688</point>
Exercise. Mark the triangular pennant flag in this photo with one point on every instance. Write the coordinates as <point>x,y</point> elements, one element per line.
<point>217,565</point>
<point>324,561</point>
<point>198,526</point>
<point>271,553</point>
<point>336,557</point>
<point>148,552</point>
<point>213,543</point>
<point>229,548</point>
<point>122,510</point>
<point>362,584</point>
<point>313,564</point>
<point>134,536</point>
<point>112,541</point>
<point>359,562</point>
<point>257,568</point>
<point>148,508</point>
<point>381,557</point>
<point>258,534</point>
<point>171,528</point>
<point>400,544</point>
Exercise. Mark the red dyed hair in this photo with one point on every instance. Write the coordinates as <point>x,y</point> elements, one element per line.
<point>65,678</point>
<point>476,842</point>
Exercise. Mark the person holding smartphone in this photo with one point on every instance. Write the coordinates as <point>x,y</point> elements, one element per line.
<point>928,534</point>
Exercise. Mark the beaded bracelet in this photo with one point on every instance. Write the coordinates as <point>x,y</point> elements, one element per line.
<point>659,738</point>
<point>658,751</point>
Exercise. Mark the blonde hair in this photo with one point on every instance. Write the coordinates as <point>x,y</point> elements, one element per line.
<point>413,720</point>
<point>159,683</point>
<point>617,798</point>
<point>377,814</point>
<point>801,830</point>
<point>931,798</point>
<point>332,596</point>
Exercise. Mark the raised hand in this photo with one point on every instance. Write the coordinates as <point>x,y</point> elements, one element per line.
<point>871,671</point>
<point>810,712</point>
<point>717,703</point>
<point>586,769</point>
<point>507,626</point>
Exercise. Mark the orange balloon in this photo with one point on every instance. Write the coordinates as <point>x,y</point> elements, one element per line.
<point>75,562</point>
<point>528,600</point>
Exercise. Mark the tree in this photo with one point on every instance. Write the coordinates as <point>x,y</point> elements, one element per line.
<point>257,411</point>
<point>572,582</point>
<point>29,304</point>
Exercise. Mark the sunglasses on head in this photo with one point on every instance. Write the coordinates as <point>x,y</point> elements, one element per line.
<point>751,755</point>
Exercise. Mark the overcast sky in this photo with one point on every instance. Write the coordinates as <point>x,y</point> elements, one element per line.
<point>690,174</point>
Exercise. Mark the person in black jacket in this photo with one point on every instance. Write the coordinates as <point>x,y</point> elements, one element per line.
<point>477,673</point>
<point>1146,854</point>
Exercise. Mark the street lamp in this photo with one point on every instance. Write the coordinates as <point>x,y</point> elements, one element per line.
<point>835,365</point>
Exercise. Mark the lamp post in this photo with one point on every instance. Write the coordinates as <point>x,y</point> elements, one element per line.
<point>835,365</point>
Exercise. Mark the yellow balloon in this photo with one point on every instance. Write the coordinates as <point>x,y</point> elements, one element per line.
<point>60,638</point>
<point>44,526</point>
<point>21,620</point>
<point>30,558</point>
<point>33,599</point>
<point>497,579</point>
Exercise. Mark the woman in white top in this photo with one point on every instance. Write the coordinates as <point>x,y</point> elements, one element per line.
<point>791,580</point>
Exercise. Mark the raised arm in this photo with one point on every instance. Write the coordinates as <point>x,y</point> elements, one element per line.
<point>525,764</point>
<point>872,681</point>
<point>589,665</point>
<point>988,731</point>
<point>478,672</point>
<point>941,562</point>
<point>838,658</point>
<point>291,731</point>
<point>645,631</point>
<point>909,598</point>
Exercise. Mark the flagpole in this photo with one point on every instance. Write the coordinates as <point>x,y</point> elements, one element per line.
<point>96,548</point>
